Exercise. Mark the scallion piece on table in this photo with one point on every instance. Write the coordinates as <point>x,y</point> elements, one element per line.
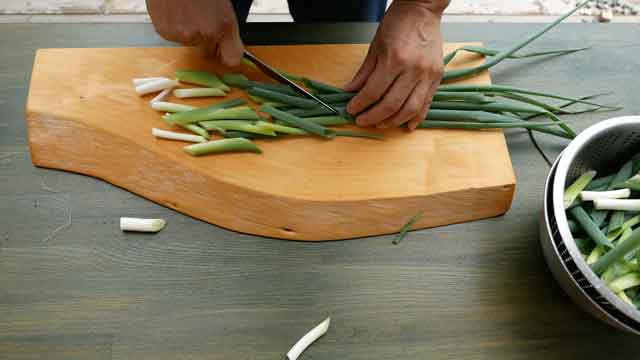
<point>621,250</point>
<point>238,125</point>
<point>141,225</point>
<point>572,192</point>
<point>405,229</point>
<point>155,86</point>
<point>461,73</point>
<point>162,96</point>
<point>295,121</point>
<point>611,194</point>
<point>222,146</point>
<point>308,339</point>
<point>283,98</point>
<point>198,92</point>
<point>617,204</point>
<point>201,78</point>
<point>171,107</point>
<point>171,135</point>
<point>589,227</point>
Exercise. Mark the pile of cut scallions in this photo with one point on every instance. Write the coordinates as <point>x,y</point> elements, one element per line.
<point>604,218</point>
<point>284,113</point>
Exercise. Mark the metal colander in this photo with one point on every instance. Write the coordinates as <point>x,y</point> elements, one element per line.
<point>603,147</point>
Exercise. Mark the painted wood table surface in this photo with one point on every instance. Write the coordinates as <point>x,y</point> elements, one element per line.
<point>73,286</point>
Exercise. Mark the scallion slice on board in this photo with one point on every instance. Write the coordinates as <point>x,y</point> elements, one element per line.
<point>172,135</point>
<point>222,146</point>
<point>201,78</point>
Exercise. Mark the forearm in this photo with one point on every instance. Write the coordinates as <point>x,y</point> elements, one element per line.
<point>435,6</point>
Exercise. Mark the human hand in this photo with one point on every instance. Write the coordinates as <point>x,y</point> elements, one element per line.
<point>402,69</point>
<point>210,25</point>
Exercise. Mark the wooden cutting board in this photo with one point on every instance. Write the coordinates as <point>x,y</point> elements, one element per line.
<point>84,116</point>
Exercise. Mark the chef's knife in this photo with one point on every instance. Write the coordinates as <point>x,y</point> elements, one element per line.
<point>274,74</point>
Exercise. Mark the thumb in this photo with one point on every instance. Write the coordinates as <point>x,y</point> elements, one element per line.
<point>230,48</point>
<point>363,73</point>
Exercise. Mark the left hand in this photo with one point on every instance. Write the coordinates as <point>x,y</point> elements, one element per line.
<point>402,69</point>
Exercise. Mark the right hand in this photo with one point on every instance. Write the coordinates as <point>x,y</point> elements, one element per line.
<point>210,25</point>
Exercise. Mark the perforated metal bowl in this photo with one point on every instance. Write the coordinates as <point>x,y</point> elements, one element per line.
<point>603,147</point>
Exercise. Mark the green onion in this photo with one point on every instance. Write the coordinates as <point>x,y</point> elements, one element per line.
<point>201,78</point>
<point>222,146</point>
<point>182,117</point>
<point>237,113</point>
<point>330,120</point>
<point>628,224</point>
<point>295,121</point>
<point>236,80</point>
<point>321,87</point>
<point>245,135</point>
<point>622,175</point>
<point>591,229</point>
<point>595,255</point>
<point>283,98</point>
<point>434,124</point>
<point>467,97</point>
<point>141,225</point>
<point>493,52</point>
<point>633,183</point>
<point>572,192</point>
<point>513,90</point>
<point>405,229</point>
<point>621,250</point>
<point>461,73</point>
<point>584,245</point>
<point>599,183</point>
<point>616,221</point>
<point>238,125</point>
<point>317,111</point>
<point>336,98</point>
<point>171,135</point>
<point>495,106</point>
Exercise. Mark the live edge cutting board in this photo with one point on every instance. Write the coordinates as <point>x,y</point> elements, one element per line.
<point>84,116</point>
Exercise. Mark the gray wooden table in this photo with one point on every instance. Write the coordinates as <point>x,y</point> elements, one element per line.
<point>195,291</point>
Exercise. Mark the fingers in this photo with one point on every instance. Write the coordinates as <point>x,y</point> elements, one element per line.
<point>411,108</point>
<point>392,102</point>
<point>375,86</point>
<point>230,48</point>
<point>416,120</point>
<point>363,73</point>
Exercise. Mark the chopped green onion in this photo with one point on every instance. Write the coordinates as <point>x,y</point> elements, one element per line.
<point>359,134</point>
<point>591,229</point>
<point>236,80</point>
<point>161,96</point>
<point>237,125</point>
<point>201,78</point>
<point>595,254</point>
<point>633,183</point>
<point>222,146</point>
<point>213,113</point>
<point>155,86</point>
<point>621,250</point>
<point>282,128</point>
<point>308,339</point>
<point>242,134</point>
<point>198,92</point>
<point>625,282</point>
<point>336,98</point>
<point>617,204</point>
<point>171,135</point>
<point>140,81</point>
<point>295,121</point>
<point>572,192</point>
<point>622,175</point>
<point>405,229</point>
<point>171,107</point>
<point>599,183</point>
<point>613,234</point>
<point>330,120</point>
<point>196,130</point>
<point>317,111</point>
<point>611,194</point>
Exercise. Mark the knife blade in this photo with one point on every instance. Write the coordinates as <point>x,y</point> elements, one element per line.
<point>276,75</point>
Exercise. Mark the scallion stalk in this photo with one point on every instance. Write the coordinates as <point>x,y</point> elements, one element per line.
<point>222,146</point>
<point>201,78</point>
<point>198,92</point>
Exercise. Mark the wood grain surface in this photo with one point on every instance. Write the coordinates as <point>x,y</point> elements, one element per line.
<point>83,116</point>
<point>478,290</point>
